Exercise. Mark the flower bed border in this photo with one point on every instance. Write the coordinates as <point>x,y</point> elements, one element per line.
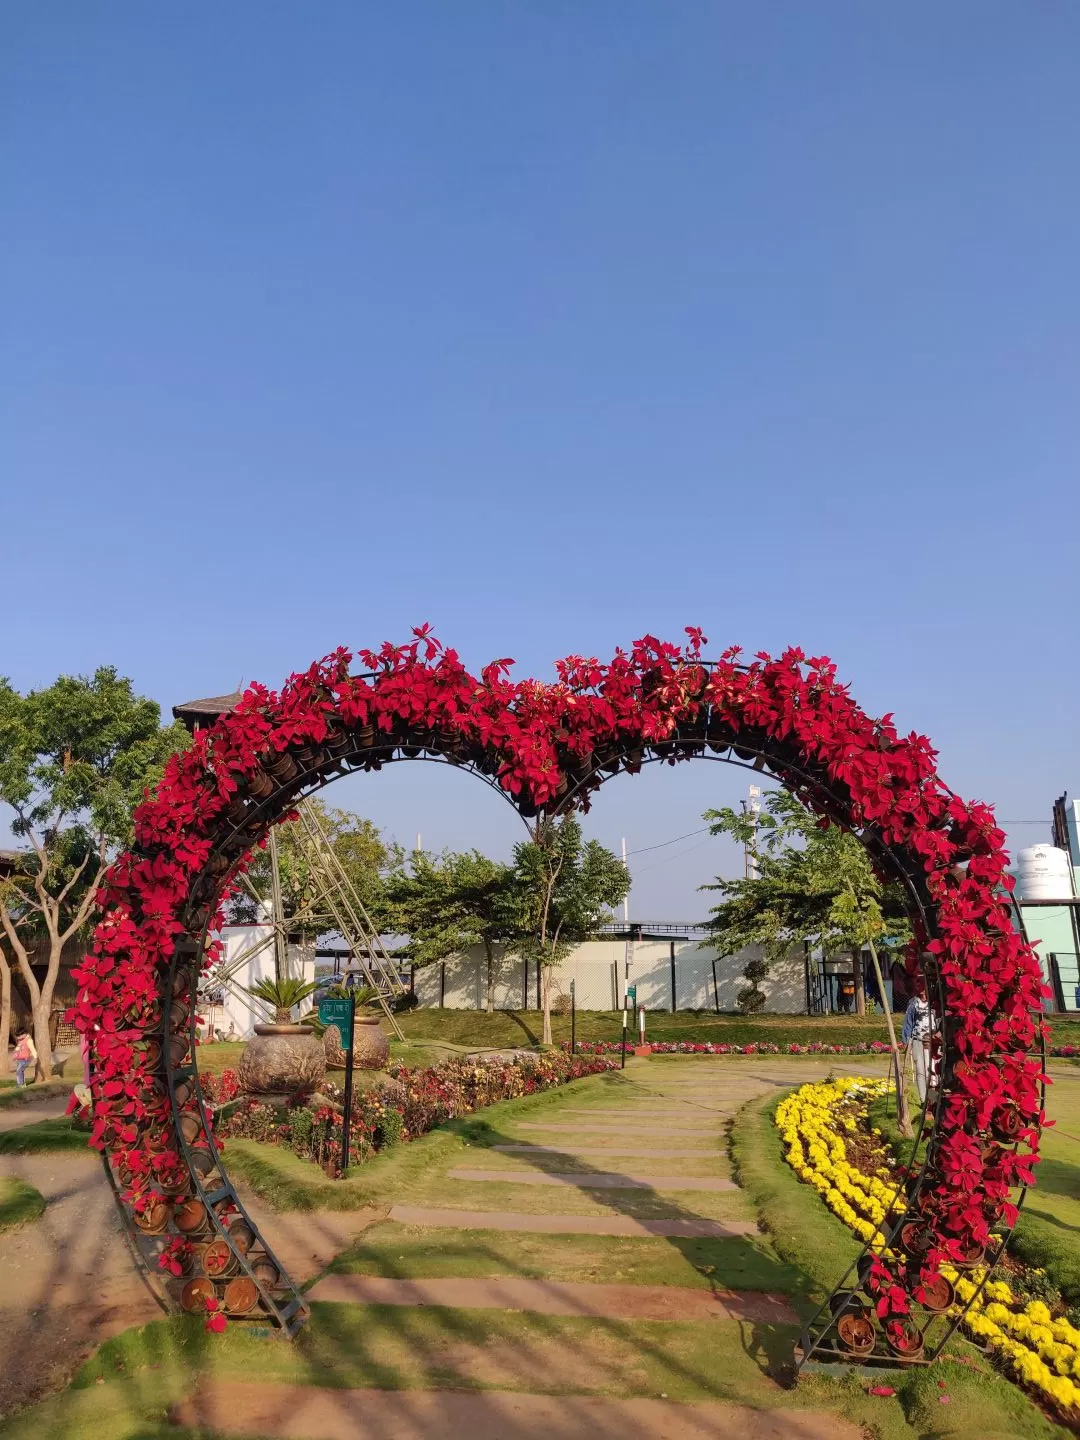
<point>548,747</point>
<point>1040,1353</point>
<point>767,1047</point>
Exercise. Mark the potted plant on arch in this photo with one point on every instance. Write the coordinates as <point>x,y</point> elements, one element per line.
<point>282,1057</point>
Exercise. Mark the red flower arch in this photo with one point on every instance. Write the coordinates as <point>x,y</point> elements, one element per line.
<point>548,746</point>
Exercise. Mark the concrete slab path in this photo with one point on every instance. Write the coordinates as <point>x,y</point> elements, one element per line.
<point>540,1152</point>
<point>596,1180</point>
<point>570,1224</point>
<point>551,1297</point>
<point>302,1412</point>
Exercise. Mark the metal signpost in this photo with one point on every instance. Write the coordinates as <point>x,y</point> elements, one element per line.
<point>342,1013</point>
<point>573,1021</point>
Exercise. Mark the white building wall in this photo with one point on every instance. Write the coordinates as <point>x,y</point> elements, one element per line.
<point>597,969</point>
<point>248,958</point>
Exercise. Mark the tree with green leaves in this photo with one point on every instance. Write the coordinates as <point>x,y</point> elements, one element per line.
<point>75,760</point>
<point>567,888</point>
<point>360,851</point>
<point>450,902</point>
<point>812,884</point>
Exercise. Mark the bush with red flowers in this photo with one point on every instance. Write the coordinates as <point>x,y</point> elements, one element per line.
<point>420,1101</point>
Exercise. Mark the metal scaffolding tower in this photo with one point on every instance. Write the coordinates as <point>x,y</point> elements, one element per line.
<point>331,903</point>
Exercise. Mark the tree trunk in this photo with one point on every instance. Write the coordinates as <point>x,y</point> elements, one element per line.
<point>860,988</point>
<point>903,1111</point>
<point>43,1013</point>
<point>545,990</point>
<point>43,1069</point>
<point>5,1013</point>
<point>489,951</point>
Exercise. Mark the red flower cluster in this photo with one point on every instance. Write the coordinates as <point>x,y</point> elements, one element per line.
<point>551,744</point>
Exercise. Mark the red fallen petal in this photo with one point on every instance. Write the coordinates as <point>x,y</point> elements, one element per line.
<point>886,1391</point>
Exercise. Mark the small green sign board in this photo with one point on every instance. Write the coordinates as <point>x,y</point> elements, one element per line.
<point>336,1012</point>
<point>631,994</point>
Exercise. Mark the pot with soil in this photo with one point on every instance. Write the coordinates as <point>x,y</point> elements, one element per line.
<point>904,1339</point>
<point>856,1332</point>
<point>283,1058</point>
<point>937,1294</point>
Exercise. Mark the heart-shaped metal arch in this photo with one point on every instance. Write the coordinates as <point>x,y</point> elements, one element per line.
<point>548,748</point>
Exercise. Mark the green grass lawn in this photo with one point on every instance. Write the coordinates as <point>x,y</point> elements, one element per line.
<point>476,1029</point>
<point>43,1136</point>
<point>409,1252</point>
<point>12,1094</point>
<point>19,1202</point>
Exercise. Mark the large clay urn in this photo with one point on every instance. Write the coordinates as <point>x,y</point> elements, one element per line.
<point>370,1044</point>
<point>281,1060</point>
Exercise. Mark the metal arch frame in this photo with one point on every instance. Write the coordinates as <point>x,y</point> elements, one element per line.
<point>236,838</point>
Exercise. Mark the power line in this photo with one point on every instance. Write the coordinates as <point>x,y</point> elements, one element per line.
<point>673,841</point>
<point>662,844</point>
<point>668,858</point>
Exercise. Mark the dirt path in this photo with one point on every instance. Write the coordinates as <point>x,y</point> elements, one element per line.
<point>69,1281</point>
<point>299,1412</point>
<point>14,1117</point>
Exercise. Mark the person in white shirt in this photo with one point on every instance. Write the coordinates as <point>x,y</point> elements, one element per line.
<point>919,1026</point>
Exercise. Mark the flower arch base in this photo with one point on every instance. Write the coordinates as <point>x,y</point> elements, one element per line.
<point>548,748</point>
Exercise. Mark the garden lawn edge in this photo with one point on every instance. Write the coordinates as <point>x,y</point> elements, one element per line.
<point>31,1094</point>
<point>807,1235</point>
<point>20,1203</point>
<point>43,1136</point>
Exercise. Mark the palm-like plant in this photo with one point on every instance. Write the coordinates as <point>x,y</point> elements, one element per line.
<point>284,995</point>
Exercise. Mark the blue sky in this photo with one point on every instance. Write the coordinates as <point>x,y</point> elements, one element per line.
<point>552,324</point>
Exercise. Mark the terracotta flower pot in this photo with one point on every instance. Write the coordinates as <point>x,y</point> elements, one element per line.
<point>280,1060</point>
<point>969,1255</point>
<point>856,1332</point>
<point>938,1294</point>
<point>904,1340</point>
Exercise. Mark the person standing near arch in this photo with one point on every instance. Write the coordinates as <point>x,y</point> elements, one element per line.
<point>918,1028</point>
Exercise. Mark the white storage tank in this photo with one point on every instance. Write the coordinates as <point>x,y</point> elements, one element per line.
<point>1043,872</point>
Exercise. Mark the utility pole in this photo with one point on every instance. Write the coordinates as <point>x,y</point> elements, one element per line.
<point>629,951</point>
<point>751,808</point>
<point>281,954</point>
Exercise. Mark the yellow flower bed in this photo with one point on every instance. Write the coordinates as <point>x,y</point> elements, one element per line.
<point>1041,1353</point>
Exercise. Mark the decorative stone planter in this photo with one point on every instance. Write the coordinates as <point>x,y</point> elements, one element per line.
<point>280,1060</point>
<point>372,1048</point>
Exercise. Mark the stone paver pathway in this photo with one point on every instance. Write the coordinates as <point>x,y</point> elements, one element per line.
<point>553,1297</point>
<point>570,1224</point>
<point>628,1126</point>
<point>300,1412</point>
<point>590,1180</point>
<point>540,1152</point>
